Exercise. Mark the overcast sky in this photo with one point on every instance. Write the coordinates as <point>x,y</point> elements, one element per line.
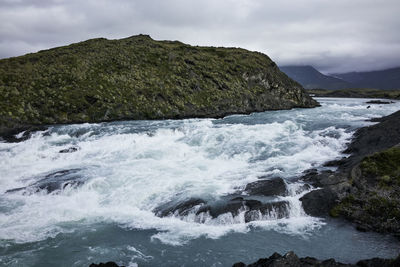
<point>332,35</point>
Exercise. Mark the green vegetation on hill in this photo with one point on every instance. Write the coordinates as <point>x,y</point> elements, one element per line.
<point>140,78</point>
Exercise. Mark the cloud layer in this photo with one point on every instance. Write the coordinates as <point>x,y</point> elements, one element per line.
<point>333,36</point>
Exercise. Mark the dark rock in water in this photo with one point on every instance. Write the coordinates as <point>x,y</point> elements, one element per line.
<point>182,209</point>
<point>107,264</point>
<point>217,209</point>
<point>274,210</point>
<point>335,163</point>
<point>273,187</point>
<point>319,202</point>
<point>379,102</point>
<point>19,134</point>
<point>254,208</point>
<point>290,259</point>
<point>68,150</point>
<point>54,181</point>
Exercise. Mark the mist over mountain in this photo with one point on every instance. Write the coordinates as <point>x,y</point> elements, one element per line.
<point>311,78</point>
<point>387,79</point>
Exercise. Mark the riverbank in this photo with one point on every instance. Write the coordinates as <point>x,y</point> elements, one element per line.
<point>365,189</point>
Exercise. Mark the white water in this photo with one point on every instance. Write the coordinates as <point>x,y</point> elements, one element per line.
<point>133,167</point>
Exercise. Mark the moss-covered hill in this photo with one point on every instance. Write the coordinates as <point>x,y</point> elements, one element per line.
<point>140,78</point>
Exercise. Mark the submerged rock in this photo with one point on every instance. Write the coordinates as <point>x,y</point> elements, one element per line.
<point>254,209</point>
<point>107,264</point>
<point>290,259</point>
<point>272,187</point>
<point>69,150</point>
<point>181,209</point>
<point>54,182</point>
<point>19,133</point>
<point>379,102</point>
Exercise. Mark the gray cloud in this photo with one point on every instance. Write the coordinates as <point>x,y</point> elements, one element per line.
<point>333,36</point>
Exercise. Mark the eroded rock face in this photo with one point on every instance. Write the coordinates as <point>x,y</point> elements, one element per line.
<point>55,181</point>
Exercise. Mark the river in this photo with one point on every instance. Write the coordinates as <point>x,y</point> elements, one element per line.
<point>117,176</point>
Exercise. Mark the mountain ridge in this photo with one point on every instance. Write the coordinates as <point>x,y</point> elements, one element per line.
<point>311,78</point>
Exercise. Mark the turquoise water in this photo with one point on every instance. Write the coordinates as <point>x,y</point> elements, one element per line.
<point>128,169</point>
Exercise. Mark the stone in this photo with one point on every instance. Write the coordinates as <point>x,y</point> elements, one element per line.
<point>319,202</point>
<point>272,187</point>
<point>55,181</point>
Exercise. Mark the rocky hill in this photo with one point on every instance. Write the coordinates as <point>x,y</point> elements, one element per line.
<point>140,78</point>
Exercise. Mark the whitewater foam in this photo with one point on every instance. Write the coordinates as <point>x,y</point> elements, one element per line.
<point>132,168</point>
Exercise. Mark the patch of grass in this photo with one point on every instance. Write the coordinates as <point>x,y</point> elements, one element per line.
<point>384,165</point>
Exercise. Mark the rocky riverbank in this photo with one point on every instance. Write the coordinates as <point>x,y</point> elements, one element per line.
<point>291,259</point>
<point>140,78</point>
<point>366,187</point>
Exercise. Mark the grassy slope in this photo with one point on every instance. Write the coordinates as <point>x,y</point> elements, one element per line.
<point>140,78</point>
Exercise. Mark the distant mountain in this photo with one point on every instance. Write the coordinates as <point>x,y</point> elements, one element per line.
<point>311,78</point>
<point>383,79</point>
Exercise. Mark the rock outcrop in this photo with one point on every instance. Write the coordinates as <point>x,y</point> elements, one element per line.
<point>290,259</point>
<point>366,187</point>
<point>140,78</point>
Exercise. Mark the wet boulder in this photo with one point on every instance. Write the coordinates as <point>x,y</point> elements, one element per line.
<point>319,202</point>
<point>19,134</point>
<point>216,209</point>
<point>254,209</point>
<point>272,210</point>
<point>272,187</point>
<point>182,208</point>
<point>55,181</point>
